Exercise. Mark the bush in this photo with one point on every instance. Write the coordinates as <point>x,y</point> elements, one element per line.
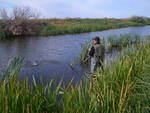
<point>17,22</point>
<point>138,19</point>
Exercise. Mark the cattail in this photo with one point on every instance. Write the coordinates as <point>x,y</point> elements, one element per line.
<point>27,108</point>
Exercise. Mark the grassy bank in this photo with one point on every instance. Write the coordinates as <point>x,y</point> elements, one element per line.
<point>46,27</point>
<point>123,88</point>
<point>78,25</point>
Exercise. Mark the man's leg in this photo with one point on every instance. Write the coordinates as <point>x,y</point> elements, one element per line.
<point>93,64</point>
<point>99,63</point>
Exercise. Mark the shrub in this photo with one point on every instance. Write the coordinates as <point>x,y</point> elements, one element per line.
<point>138,19</point>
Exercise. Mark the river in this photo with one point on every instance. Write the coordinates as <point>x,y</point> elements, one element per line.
<point>53,54</point>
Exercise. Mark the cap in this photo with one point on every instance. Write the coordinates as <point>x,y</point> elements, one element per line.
<point>96,38</point>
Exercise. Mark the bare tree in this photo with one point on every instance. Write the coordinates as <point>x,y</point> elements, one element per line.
<point>18,22</point>
<point>23,13</point>
<point>3,14</point>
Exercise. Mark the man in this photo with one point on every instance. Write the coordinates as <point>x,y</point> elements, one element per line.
<point>96,52</point>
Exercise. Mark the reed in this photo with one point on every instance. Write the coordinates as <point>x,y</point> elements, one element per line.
<point>84,51</point>
<point>123,40</point>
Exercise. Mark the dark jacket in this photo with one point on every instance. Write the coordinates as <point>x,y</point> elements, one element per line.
<point>97,50</point>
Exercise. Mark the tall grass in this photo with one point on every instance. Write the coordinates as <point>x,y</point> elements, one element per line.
<point>123,88</point>
<point>12,68</point>
<point>123,40</point>
<point>84,51</point>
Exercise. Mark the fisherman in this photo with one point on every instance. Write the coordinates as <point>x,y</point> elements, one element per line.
<point>96,52</point>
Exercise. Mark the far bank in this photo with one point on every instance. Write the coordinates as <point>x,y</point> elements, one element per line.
<point>56,26</point>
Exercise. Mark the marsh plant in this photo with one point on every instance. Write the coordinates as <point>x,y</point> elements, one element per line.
<point>123,40</point>
<point>84,50</point>
<point>12,69</point>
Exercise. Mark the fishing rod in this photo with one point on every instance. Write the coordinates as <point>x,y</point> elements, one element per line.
<point>84,61</point>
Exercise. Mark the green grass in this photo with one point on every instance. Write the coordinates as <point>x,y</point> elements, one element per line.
<point>123,88</point>
<point>79,25</point>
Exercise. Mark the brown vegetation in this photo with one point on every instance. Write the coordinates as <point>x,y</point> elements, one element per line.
<point>18,23</point>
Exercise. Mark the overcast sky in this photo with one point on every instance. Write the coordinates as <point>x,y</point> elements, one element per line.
<point>83,8</point>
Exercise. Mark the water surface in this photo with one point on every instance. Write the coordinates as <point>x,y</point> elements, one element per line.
<point>54,53</point>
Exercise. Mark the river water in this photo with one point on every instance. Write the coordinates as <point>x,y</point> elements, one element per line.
<point>55,53</point>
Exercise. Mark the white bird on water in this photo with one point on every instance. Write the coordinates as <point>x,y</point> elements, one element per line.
<point>35,63</point>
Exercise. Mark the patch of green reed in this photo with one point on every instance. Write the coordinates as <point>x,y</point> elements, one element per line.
<point>12,68</point>
<point>78,98</point>
<point>111,41</point>
<point>136,39</point>
<point>123,40</point>
<point>122,88</point>
<point>84,51</point>
<point>18,96</point>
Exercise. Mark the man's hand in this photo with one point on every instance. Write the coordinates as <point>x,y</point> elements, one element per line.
<point>89,49</point>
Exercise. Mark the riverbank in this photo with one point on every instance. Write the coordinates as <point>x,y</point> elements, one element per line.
<point>46,27</point>
<point>78,25</point>
<point>122,88</point>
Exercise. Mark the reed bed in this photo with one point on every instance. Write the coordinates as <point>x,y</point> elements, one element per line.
<point>123,88</point>
<point>123,40</point>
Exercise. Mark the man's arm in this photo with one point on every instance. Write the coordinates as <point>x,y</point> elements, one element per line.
<point>91,51</point>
